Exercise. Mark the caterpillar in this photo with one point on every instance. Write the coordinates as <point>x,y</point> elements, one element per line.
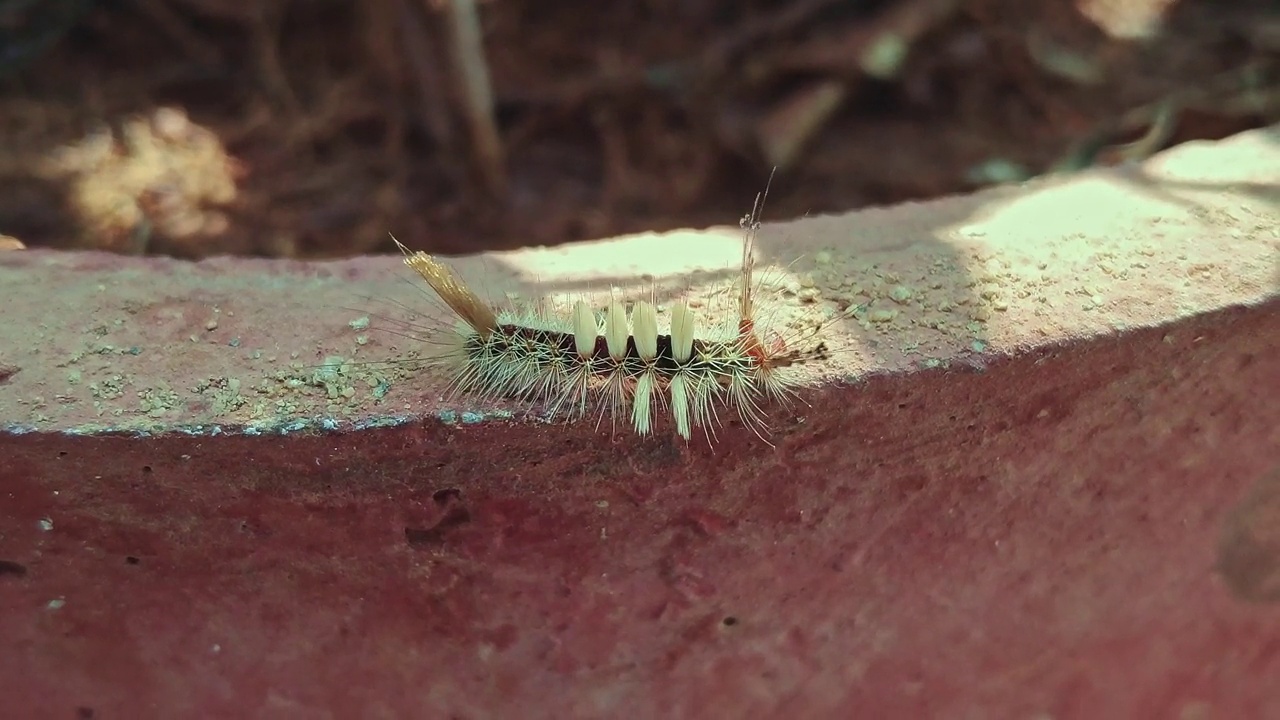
<point>622,362</point>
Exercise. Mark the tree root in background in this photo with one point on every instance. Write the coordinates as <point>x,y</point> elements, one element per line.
<point>284,128</point>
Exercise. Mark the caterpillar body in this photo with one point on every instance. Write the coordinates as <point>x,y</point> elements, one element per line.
<point>622,361</point>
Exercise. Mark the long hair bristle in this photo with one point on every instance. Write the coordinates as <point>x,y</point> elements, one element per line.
<point>452,290</point>
<point>746,307</point>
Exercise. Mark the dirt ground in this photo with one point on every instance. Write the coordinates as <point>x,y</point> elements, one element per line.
<point>314,129</point>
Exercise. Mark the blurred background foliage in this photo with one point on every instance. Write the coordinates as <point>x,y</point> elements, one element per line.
<point>312,128</point>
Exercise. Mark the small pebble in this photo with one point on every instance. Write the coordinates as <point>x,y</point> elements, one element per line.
<point>900,294</point>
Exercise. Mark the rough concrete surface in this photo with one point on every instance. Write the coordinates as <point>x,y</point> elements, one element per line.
<point>1038,478</point>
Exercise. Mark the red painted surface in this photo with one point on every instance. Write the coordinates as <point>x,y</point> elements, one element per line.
<point>1081,533</point>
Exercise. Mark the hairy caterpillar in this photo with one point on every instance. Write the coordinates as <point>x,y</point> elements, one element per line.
<point>625,363</point>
